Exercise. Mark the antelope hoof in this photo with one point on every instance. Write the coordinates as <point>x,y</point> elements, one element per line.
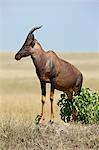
<point>42,120</point>
<point>51,122</point>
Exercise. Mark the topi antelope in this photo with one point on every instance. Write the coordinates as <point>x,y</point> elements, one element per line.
<point>61,75</point>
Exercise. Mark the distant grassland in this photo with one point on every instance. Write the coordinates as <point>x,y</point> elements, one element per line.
<point>20,88</point>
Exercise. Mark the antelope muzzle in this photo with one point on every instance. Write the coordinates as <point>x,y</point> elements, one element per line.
<point>22,53</point>
<point>18,56</point>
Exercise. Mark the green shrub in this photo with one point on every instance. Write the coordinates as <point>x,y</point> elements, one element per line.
<point>86,105</point>
<point>37,119</point>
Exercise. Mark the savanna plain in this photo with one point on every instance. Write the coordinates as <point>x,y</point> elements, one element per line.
<point>20,104</point>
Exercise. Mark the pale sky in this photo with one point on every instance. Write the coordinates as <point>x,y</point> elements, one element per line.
<point>68,25</point>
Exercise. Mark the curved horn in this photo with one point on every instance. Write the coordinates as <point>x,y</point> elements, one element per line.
<point>35,28</point>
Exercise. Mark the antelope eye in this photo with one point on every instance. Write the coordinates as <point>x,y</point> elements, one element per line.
<point>32,44</point>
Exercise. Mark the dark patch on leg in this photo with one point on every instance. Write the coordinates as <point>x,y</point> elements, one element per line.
<point>78,85</point>
<point>43,89</point>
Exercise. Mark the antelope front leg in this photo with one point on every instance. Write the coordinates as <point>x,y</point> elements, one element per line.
<point>51,99</point>
<point>43,98</point>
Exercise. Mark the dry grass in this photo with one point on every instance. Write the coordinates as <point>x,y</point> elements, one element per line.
<point>15,135</point>
<point>20,103</point>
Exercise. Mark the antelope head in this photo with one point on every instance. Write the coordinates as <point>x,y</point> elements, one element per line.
<point>28,45</point>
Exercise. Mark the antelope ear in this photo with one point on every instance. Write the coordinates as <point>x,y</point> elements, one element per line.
<point>33,37</point>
